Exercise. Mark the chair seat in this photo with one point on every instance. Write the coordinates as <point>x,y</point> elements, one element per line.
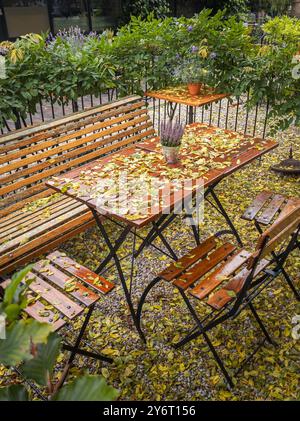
<point>268,206</point>
<point>61,289</point>
<point>213,265</point>
<point>54,218</point>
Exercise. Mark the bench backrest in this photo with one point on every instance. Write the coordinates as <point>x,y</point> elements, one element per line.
<point>31,156</point>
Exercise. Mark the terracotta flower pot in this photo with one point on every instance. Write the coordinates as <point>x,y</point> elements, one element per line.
<point>194,88</point>
<point>171,154</point>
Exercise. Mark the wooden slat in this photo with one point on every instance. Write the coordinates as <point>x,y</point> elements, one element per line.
<point>206,286</point>
<point>281,228</point>
<point>270,211</point>
<point>48,271</point>
<point>25,215</point>
<point>204,266</point>
<point>70,164</point>
<point>14,206</point>
<point>54,297</point>
<point>13,162</point>
<point>25,196</point>
<point>37,310</point>
<point>176,268</point>
<point>277,240</point>
<point>222,297</point>
<point>72,126</point>
<point>256,205</point>
<point>63,121</point>
<point>85,275</point>
<point>44,245</point>
<point>36,243</point>
<point>41,229</point>
<point>55,160</point>
<point>26,226</point>
<point>288,207</point>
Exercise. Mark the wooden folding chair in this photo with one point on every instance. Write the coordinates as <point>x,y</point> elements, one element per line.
<point>267,207</point>
<point>227,280</point>
<point>59,293</point>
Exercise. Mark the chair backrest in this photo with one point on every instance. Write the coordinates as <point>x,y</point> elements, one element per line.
<point>279,232</point>
<point>29,157</point>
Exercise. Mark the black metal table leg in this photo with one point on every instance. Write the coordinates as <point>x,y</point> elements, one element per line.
<point>219,207</point>
<point>114,255</point>
<point>118,244</point>
<point>190,114</point>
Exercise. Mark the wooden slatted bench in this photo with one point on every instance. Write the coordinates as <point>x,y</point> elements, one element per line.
<point>60,291</point>
<point>33,220</point>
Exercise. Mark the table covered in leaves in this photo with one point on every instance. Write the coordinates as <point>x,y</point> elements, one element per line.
<point>134,187</point>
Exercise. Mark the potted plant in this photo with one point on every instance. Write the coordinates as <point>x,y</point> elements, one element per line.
<point>170,136</point>
<point>193,70</point>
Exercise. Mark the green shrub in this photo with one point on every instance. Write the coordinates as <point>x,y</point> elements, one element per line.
<point>148,53</point>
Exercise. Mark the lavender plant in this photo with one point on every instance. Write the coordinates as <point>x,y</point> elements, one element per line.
<point>171,133</point>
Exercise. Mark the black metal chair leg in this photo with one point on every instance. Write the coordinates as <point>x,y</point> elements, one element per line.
<point>219,361</point>
<point>188,338</point>
<point>291,284</point>
<point>110,255</point>
<point>143,298</point>
<point>261,325</point>
<point>81,333</point>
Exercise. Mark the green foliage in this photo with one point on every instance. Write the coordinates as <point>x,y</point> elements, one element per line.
<point>21,335</point>
<point>15,393</point>
<point>20,338</point>
<point>87,388</point>
<point>40,368</point>
<point>272,7</point>
<point>152,53</point>
<point>14,299</point>
<point>233,7</point>
<point>143,8</point>
<point>283,30</point>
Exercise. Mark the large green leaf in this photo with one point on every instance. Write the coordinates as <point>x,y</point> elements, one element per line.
<point>11,294</point>
<point>14,299</point>
<point>87,388</point>
<point>40,368</point>
<point>20,336</point>
<point>14,393</point>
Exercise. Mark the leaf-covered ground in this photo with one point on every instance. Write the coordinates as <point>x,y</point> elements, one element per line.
<point>156,371</point>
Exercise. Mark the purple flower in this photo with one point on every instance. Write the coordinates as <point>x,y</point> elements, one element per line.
<point>194,49</point>
<point>190,28</point>
<point>213,55</point>
<point>171,133</point>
